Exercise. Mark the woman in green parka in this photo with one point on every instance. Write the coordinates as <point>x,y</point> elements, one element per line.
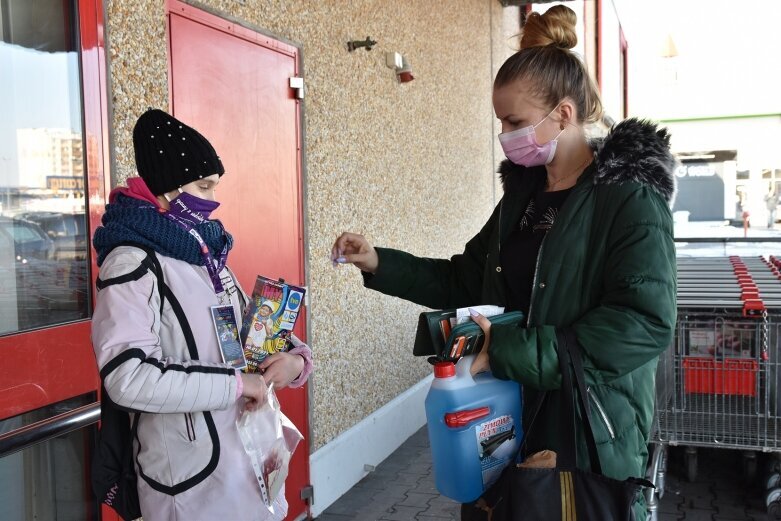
<point>582,239</point>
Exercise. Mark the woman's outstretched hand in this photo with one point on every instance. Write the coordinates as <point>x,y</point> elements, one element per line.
<point>351,248</point>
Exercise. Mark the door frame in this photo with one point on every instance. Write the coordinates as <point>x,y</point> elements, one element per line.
<point>80,372</point>
<point>242,29</point>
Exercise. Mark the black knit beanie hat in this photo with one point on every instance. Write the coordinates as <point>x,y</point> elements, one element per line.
<point>169,154</point>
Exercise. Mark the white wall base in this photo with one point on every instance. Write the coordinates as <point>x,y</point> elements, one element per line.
<point>339,465</point>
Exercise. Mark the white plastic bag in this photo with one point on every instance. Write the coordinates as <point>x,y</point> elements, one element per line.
<point>269,438</point>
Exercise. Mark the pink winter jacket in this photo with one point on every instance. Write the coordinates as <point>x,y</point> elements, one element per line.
<point>167,367</point>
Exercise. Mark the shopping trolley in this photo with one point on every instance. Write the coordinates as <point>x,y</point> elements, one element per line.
<point>717,385</point>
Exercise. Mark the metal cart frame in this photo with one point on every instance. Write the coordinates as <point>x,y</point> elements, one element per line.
<point>717,385</point>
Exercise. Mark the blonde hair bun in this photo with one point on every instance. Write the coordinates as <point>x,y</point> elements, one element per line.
<point>555,27</point>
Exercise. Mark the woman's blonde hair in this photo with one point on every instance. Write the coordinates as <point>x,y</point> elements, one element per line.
<point>546,63</point>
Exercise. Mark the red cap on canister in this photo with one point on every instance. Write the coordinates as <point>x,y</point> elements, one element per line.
<point>444,369</point>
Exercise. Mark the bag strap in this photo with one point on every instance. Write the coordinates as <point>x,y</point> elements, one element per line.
<point>569,351</point>
<point>541,396</point>
<point>153,264</point>
<point>580,379</point>
<point>150,262</point>
<point>539,402</point>
<point>567,450</point>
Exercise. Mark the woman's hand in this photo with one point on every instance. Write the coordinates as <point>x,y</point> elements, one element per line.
<point>351,248</point>
<point>281,368</point>
<point>254,390</point>
<point>481,362</point>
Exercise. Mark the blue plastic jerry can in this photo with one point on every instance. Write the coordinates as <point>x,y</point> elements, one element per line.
<point>474,427</point>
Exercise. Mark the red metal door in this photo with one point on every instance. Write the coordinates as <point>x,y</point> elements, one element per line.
<point>232,84</point>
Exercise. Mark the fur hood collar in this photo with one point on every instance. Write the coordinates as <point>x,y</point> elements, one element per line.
<point>634,150</point>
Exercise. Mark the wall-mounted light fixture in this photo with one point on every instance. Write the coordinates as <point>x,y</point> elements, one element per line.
<point>400,65</point>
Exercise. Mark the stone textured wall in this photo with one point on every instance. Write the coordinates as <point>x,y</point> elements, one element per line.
<point>409,165</point>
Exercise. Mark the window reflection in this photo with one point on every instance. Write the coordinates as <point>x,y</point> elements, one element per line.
<point>44,277</point>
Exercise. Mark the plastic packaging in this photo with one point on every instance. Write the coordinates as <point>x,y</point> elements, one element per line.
<point>269,438</point>
<point>474,426</point>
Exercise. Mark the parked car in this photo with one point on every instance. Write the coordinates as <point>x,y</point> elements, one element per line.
<point>67,230</point>
<point>38,288</point>
<point>29,240</point>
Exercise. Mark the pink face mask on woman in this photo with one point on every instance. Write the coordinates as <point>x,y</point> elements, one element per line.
<point>521,147</point>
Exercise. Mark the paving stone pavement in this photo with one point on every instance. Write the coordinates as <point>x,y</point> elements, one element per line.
<point>720,492</point>
<point>402,489</point>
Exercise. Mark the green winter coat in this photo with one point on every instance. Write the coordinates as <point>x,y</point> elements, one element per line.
<point>606,268</point>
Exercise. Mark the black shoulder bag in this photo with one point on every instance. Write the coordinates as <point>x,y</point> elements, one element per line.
<point>563,493</point>
<point>113,473</point>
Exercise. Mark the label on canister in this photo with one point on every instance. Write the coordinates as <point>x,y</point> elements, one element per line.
<point>496,445</point>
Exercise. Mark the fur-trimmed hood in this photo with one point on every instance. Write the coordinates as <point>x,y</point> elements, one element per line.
<point>634,150</point>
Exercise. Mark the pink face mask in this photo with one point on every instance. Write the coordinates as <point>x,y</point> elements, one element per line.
<point>521,147</point>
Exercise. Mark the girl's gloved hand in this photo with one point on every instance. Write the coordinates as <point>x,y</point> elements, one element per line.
<point>351,248</point>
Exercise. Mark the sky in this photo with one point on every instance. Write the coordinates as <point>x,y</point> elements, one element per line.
<point>37,89</point>
<point>728,63</point>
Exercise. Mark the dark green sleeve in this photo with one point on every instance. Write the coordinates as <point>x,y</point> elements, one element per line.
<point>635,320</point>
<point>436,283</point>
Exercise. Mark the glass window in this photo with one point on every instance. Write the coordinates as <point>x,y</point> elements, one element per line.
<point>44,278</point>
<point>48,480</point>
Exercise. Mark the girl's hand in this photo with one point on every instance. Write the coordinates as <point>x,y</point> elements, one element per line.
<point>254,390</point>
<point>481,362</point>
<point>351,248</point>
<point>281,368</point>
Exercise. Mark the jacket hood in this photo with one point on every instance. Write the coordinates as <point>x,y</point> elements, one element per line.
<point>634,150</point>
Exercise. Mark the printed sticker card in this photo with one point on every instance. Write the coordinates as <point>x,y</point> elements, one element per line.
<point>225,326</point>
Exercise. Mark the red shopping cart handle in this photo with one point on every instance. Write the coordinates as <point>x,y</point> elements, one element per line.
<point>753,307</point>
